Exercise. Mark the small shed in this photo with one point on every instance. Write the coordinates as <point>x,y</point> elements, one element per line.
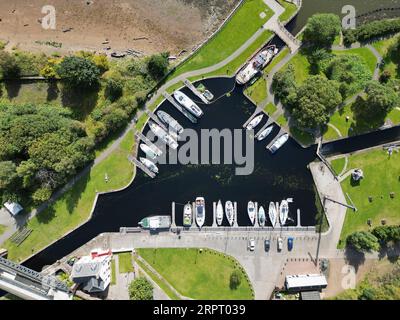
<point>357,174</point>
<point>13,207</point>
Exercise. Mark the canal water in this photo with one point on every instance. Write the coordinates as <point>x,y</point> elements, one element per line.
<point>275,177</point>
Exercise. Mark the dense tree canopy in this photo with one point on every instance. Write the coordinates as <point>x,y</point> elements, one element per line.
<point>78,72</point>
<point>351,71</point>
<point>284,85</point>
<point>9,67</point>
<point>322,29</point>
<point>380,98</point>
<point>158,65</point>
<point>42,146</point>
<point>140,289</point>
<point>315,101</point>
<point>363,241</point>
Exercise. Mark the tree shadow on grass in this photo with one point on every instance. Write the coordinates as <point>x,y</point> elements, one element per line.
<point>75,194</point>
<point>354,258</point>
<point>52,91</point>
<point>46,215</point>
<point>12,88</point>
<point>81,101</point>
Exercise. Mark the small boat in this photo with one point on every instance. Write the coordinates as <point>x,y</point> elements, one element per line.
<point>260,60</point>
<point>279,143</point>
<point>159,132</point>
<point>283,212</point>
<point>272,213</point>
<point>251,211</point>
<point>187,215</point>
<point>265,133</point>
<point>255,122</point>
<point>261,216</point>
<point>156,222</point>
<point>200,211</point>
<point>188,103</point>
<point>229,211</point>
<point>170,122</point>
<point>219,213</point>
<point>148,151</point>
<point>149,164</point>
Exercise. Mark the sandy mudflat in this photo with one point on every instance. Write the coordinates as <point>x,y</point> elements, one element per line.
<point>161,25</point>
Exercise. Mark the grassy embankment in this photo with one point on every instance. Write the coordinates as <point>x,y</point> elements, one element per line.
<point>191,272</point>
<point>381,177</point>
<point>74,207</point>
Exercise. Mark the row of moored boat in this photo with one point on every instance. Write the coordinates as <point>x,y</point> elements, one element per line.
<point>174,130</point>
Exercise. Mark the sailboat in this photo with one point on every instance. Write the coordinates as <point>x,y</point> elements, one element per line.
<point>219,213</point>
<point>265,133</point>
<point>272,213</point>
<point>255,122</point>
<point>251,211</point>
<point>261,216</point>
<point>283,212</point>
<point>229,211</point>
<point>187,215</point>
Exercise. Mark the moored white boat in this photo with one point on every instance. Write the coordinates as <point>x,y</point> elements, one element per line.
<point>149,164</point>
<point>251,211</point>
<point>219,213</point>
<point>188,103</point>
<point>156,222</point>
<point>265,133</point>
<point>254,122</point>
<point>283,212</point>
<point>148,151</point>
<point>159,132</point>
<point>170,122</point>
<point>187,215</point>
<point>261,216</point>
<point>200,211</point>
<point>279,143</point>
<point>272,213</point>
<point>256,64</point>
<point>229,212</point>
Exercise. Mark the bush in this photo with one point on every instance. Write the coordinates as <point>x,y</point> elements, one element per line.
<point>363,241</point>
<point>158,65</point>
<point>113,89</point>
<point>41,195</point>
<point>78,72</point>
<point>371,30</point>
<point>386,234</point>
<point>101,62</point>
<point>140,289</point>
<point>8,66</point>
<point>235,279</point>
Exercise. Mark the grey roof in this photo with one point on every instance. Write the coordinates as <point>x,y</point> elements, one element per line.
<point>86,269</point>
<point>94,285</point>
<point>310,295</point>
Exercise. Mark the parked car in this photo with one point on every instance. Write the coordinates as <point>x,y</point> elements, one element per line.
<point>252,244</point>
<point>280,244</point>
<point>290,243</point>
<point>267,245</point>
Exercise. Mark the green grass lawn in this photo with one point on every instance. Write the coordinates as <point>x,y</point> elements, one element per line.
<point>290,9</point>
<point>338,164</point>
<point>141,122</point>
<point>258,91</point>
<point>381,176</point>
<point>74,207</point>
<point>244,23</point>
<point>2,229</point>
<point>282,121</point>
<point>233,66</point>
<point>198,275</point>
<point>305,138</point>
<point>301,67</point>
<point>125,262</point>
<point>160,282</point>
<point>113,272</point>
<point>270,108</point>
<point>330,134</point>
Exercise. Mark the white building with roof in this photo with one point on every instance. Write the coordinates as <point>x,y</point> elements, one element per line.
<point>93,272</point>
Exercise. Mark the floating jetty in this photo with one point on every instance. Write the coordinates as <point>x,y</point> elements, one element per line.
<point>156,120</point>
<point>186,113</point>
<point>142,166</point>
<point>142,137</point>
<point>195,91</point>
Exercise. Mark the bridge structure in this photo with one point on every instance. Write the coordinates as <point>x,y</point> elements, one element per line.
<point>28,284</point>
